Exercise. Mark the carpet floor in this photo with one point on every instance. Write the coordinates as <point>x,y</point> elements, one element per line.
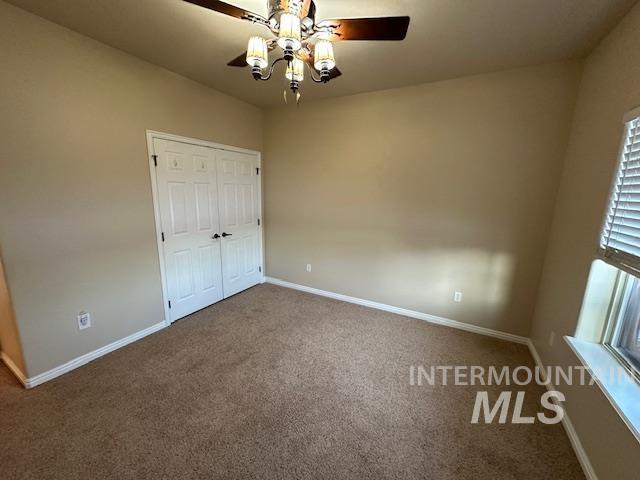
<point>277,384</point>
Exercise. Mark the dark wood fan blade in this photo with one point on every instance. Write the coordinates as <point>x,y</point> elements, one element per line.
<point>306,5</point>
<point>382,28</point>
<point>334,73</point>
<point>230,10</point>
<point>240,61</point>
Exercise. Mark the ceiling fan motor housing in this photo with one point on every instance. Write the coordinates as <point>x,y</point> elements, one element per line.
<point>278,7</point>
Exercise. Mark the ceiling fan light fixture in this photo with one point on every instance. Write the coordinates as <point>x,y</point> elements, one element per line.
<point>289,36</point>
<point>257,53</point>
<point>324,58</point>
<point>295,70</point>
<point>304,42</point>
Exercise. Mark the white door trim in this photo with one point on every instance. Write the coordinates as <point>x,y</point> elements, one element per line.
<point>151,135</point>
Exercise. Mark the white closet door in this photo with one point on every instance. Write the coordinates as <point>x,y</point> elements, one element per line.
<point>238,202</point>
<point>188,197</point>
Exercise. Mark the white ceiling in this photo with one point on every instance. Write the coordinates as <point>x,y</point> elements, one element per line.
<point>447,38</point>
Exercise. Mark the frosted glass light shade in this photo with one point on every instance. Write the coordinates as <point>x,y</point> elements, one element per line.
<point>257,52</point>
<point>295,71</point>
<point>289,35</point>
<point>323,57</point>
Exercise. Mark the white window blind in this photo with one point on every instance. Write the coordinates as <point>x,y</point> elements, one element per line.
<point>621,232</point>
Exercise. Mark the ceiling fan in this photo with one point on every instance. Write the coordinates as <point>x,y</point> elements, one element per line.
<point>303,41</point>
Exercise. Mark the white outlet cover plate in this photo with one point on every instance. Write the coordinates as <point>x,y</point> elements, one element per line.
<point>84,320</point>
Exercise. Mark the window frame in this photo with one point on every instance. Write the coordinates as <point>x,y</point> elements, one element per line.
<point>615,321</point>
<point>625,263</point>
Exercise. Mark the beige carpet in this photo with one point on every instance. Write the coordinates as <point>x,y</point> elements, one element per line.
<point>276,384</point>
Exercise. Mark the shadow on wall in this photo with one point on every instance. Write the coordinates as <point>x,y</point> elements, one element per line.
<point>9,337</point>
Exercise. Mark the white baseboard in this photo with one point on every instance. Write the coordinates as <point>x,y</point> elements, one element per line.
<point>41,378</point>
<point>14,368</point>
<point>403,311</point>
<point>579,450</point>
<point>86,358</point>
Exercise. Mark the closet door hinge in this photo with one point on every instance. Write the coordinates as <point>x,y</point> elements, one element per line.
<point>258,222</point>
<point>258,171</point>
<point>163,236</point>
<point>260,269</point>
<point>155,160</point>
<point>169,303</point>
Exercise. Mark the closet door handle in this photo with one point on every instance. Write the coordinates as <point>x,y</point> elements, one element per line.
<point>215,237</point>
<point>225,234</point>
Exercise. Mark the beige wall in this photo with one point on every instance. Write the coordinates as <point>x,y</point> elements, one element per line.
<point>403,196</point>
<point>610,87</point>
<point>76,215</point>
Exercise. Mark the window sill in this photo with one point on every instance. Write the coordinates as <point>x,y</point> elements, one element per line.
<point>623,393</point>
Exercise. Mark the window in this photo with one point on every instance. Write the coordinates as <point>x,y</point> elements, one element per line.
<point>623,332</point>
<point>620,247</point>
<point>621,233</point>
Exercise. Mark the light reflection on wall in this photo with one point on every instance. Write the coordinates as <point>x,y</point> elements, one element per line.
<point>485,278</point>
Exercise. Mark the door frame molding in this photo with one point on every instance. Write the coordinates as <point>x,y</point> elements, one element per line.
<point>151,135</point>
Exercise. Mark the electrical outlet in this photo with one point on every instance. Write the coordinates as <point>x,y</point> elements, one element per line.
<point>308,267</point>
<point>552,338</point>
<point>84,320</point>
<point>457,297</point>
